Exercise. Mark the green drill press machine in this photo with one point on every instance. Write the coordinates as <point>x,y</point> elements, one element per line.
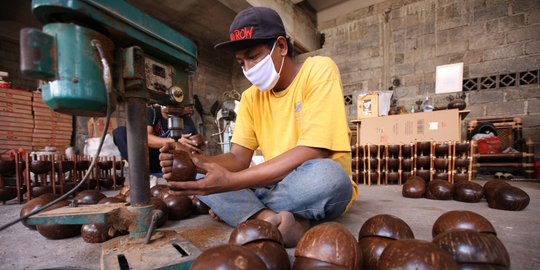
<point>92,51</point>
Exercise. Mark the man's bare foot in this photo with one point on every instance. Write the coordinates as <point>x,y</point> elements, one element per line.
<point>292,228</point>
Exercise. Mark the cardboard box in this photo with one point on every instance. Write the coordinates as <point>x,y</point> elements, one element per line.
<point>368,106</point>
<point>97,124</point>
<point>438,126</point>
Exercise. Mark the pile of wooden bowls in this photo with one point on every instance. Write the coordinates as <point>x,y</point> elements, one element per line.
<point>498,193</point>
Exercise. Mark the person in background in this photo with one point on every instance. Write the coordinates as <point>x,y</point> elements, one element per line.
<point>158,134</point>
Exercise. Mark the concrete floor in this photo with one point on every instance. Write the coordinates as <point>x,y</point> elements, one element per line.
<point>519,231</point>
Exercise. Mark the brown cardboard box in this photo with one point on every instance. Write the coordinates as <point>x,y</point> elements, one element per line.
<point>406,128</point>
<point>368,106</point>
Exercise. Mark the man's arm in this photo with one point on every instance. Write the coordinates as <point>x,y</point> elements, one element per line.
<point>155,141</point>
<point>223,174</point>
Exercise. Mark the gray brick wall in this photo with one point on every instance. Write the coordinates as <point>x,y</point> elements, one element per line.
<point>490,37</point>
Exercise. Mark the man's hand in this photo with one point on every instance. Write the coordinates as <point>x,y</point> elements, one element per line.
<point>166,159</point>
<point>190,144</point>
<point>217,180</point>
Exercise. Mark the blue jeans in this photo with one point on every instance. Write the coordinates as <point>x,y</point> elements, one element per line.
<point>318,189</point>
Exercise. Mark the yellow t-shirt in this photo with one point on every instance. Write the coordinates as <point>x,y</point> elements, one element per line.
<point>310,112</point>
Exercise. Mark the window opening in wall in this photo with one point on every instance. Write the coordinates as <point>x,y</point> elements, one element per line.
<point>488,82</point>
<point>507,80</point>
<point>528,77</point>
<point>348,99</point>
<point>502,80</point>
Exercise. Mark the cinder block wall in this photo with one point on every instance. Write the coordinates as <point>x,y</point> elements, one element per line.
<point>498,41</point>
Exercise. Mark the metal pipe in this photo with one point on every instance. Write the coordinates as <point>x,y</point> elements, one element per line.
<point>137,144</point>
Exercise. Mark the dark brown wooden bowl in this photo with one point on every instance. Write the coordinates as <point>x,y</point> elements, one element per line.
<point>7,193</point>
<point>423,162</point>
<point>462,162</point>
<point>183,168</point>
<point>7,166</point>
<point>254,230</point>
<point>406,175</point>
<point>58,231</point>
<point>40,166</point>
<point>180,207</point>
<point>406,163</point>
<point>442,149</point>
<point>303,263</point>
<point>87,197</point>
<point>406,150</point>
<point>441,163</point>
<point>388,226</point>
<point>227,257</point>
<point>105,165</point>
<point>393,163</point>
<point>322,242</point>
<point>466,191</point>
<point>468,246</point>
<point>439,190</point>
<point>67,165</point>
<point>462,147</point>
<point>373,163</point>
<point>509,198</point>
<point>424,174</point>
<point>197,140</point>
<point>441,175</point>
<point>83,165</point>
<point>424,147</point>
<point>372,247</point>
<point>491,186</point>
<point>462,220</point>
<point>393,149</point>
<point>155,190</point>
<point>414,187</point>
<point>199,207</point>
<point>273,254</point>
<point>415,254</point>
<point>392,176</point>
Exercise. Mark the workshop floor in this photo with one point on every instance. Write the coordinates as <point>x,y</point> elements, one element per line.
<point>21,248</point>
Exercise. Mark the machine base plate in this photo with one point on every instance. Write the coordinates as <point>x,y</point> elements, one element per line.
<point>166,250</point>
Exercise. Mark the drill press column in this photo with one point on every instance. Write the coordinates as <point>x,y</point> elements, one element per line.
<point>137,142</point>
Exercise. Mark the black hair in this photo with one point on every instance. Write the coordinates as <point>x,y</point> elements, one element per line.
<point>290,50</point>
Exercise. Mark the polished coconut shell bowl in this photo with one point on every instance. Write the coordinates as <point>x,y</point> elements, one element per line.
<point>324,241</point>
<point>416,254</point>
<point>509,198</point>
<point>58,231</point>
<point>180,207</point>
<point>227,257</point>
<point>183,168</point>
<point>468,192</point>
<point>199,207</point>
<point>253,230</point>
<point>462,220</point>
<point>491,186</point>
<point>439,190</point>
<point>272,253</point>
<point>372,247</point>
<point>414,187</point>
<point>388,226</point>
<point>88,197</point>
<point>467,246</point>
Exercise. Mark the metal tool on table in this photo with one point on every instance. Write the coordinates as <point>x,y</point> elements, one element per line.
<point>89,49</point>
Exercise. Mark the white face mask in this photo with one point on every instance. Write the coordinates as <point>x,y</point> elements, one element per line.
<point>263,75</point>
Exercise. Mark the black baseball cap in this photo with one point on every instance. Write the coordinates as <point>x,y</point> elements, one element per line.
<point>252,26</point>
